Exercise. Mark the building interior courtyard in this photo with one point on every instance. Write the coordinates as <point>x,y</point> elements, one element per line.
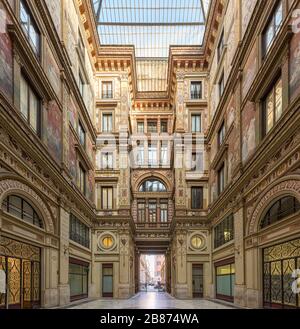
<point>149,154</point>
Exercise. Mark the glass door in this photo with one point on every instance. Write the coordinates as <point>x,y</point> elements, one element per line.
<point>197,281</point>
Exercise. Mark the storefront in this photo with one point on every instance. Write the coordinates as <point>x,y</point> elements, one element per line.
<point>225,280</point>
<point>78,279</point>
<point>21,264</point>
<point>279,263</point>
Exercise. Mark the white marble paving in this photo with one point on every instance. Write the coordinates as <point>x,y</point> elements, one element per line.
<point>152,300</point>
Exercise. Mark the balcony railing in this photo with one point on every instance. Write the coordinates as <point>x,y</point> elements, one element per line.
<point>153,225</point>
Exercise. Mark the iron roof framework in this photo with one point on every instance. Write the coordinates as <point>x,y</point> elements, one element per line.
<point>152,26</point>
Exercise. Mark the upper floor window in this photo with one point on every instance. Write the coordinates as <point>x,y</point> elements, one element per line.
<point>140,155</point>
<point>197,161</point>
<point>107,90</point>
<point>152,155</point>
<point>196,123</point>
<point>81,179</point>
<point>221,179</point>
<point>107,160</point>
<point>81,45</point>
<point>79,232</point>
<point>221,85</point>
<point>221,46</point>
<point>107,198</point>
<point>81,134</point>
<point>81,85</point>
<point>196,90</point>
<point>272,108</point>
<point>30,28</point>
<point>140,127</point>
<point>272,28</point>
<point>197,197</point>
<point>221,135</point>
<point>107,123</point>
<point>164,211</point>
<point>152,186</point>
<point>20,208</point>
<point>164,126</point>
<point>164,154</point>
<point>30,106</point>
<point>224,232</point>
<point>152,127</point>
<point>280,210</point>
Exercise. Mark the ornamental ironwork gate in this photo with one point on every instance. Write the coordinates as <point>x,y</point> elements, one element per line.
<point>279,264</point>
<point>22,267</point>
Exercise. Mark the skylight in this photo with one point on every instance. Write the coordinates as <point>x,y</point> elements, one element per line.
<point>152,26</point>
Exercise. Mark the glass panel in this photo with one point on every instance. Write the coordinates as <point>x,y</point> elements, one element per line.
<point>24,98</point>
<point>36,282</point>
<point>267,280</point>
<point>289,298</point>
<point>78,276</point>
<point>224,285</point>
<point>196,123</point>
<point>276,285</point>
<point>33,111</point>
<point>278,17</point>
<point>14,281</point>
<point>140,127</point>
<point>15,206</point>
<point>26,282</point>
<point>108,284</point>
<point>24,17</point>
<point>270,112</point>
<point>28,212</point>
<point>278,100</point>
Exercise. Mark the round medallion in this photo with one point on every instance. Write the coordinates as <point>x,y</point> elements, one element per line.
<point>197,242</point>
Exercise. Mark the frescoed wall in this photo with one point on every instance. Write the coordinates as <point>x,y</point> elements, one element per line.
<point>249,71</point>
<point>55,10</point>
<point>295,66</point>
<point>90,186</point>
<point>6,61</point>
<point>248,129</point>
<point>53,71</point>
<point>54,130</point>
<point>73,114</point>
<point>90,149</point>
<point>247,10</point>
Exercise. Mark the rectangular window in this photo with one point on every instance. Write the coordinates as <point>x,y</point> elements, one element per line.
<point>164,212</point>
<point>221,179</point>
<point>225,282</point>
<point>152,211</point>
<point>81,179</point>
<point>197,197</point>
<point>224,232</point>
<point>107,280</point>
<point>221,135</point>
<point>164,126</point>
<point>197,162</point>
<point>30,106</point>
<point>272,28</point>
<point>81,134</point>
<point>152,127</point>
<point>81,85</point>
<point>164,154</point>
<point>107,123</point>
<point>107,160</point>
<point>196,90</point>
<point>140,155</point>
<point>107,198</point>
<point>30,28</point>
<point>221,46</point>
<point>107,90</point>
<point>196,123</point>
<point>221,85</point>
<point>140,127</point>
<point>79,232</point>
<point>272,108</point>
<point>141,212</point>
<point>152,155</point>
<point>78,279</point>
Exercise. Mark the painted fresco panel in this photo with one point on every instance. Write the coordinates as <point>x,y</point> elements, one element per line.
<point>295,66</point>
<point>72,156</point>
<point>54,130</point>
<point>248,129</point>
<point>247,11</point>
<point>55,11</point>
<point>250,71</point>
<point>53,71</point>
<point>90,186</point>
<point>6,59</point>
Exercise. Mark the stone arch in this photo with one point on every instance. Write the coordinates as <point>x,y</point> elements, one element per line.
<point>12,186</point>
<point>283,187</point>
<point>152,175</point>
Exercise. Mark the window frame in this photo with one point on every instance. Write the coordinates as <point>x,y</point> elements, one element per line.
<point>107,93</point>
<point>81,134</point>
<point>221,179</point>
<point>220,230</point>
<point>197,93</point>
<point>110,115</point>
<point>196,131</point>
<point>107,189</point>
<point>197,205</point>
<point>221,134</point>
<point>82,178</point>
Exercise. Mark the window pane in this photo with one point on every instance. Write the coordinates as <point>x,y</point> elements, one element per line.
<point>24,98</point>
<point>197,197</point>
<point>278,17</point>
<point>15,206</point>
<point>196,123</point>
<point>24,17</point>
<point>33,111</point>
<point>34,38</point>
<point>270,112</point>
<point>27,212</point>
<point>278,99</point>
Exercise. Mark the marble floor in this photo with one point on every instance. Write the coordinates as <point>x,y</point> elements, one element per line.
<point>151,300</point>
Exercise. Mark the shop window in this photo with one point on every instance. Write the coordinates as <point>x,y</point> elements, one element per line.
<point>225,282</point>
<point>78,280</point>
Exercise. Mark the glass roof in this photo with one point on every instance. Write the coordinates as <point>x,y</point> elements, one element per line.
<point>151,25</point>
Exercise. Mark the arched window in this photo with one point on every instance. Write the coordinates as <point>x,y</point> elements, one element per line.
<point>153,186</point>
<point>20,208</point>
<point>281,209</point>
